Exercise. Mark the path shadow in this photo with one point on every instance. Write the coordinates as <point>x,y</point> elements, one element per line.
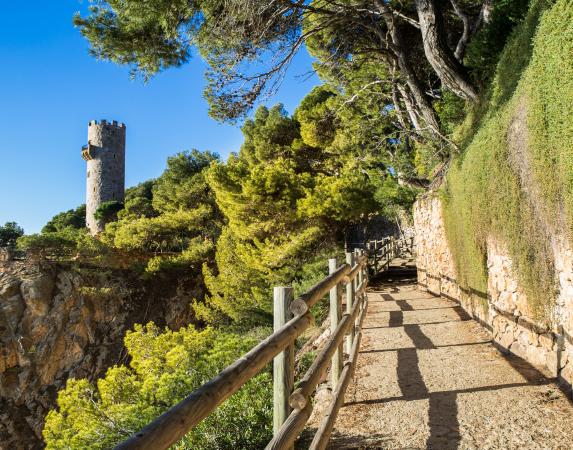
<point>443,422</point>
<point>404,305</point>
<point>443,412</point>
<point>420,340</point>
<point>396,319</point>
<point>410,378</point>
<point>463,344</point>
<point>461,312</point>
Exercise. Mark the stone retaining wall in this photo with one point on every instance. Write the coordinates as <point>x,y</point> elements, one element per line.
<point>503,309</point>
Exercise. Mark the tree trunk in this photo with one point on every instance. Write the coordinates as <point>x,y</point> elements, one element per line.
<point>400,50</point>
<point>470,28</point>
<point>439,55</point>
<point>409,107</point>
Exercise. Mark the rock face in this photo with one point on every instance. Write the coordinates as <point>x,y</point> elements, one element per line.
<point>503,309</point>
<point>60,322</point>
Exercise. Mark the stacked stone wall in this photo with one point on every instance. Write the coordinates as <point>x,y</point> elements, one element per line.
<point>503,309</point>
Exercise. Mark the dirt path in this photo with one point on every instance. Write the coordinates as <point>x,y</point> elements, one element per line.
<point>429,377</point>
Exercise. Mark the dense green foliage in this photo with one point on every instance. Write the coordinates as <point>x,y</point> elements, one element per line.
<point>514,179</point>
<point>107,211</point>
<point>64,235</point>
<point>73,218</point>
<point>291,193</point>
<point>164,367</point>
<point>174,218</point>
<point>9,234</point>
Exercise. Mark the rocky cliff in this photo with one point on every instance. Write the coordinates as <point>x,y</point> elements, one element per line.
<point>61,321</point>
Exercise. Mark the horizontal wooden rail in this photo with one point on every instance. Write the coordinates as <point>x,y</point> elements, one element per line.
<point>291,429</point>
<point>307,300</point>
<point>354,272</point>
<point>299,397</point>
<point>322,436</point>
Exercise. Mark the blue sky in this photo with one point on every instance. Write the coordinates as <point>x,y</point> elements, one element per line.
<point>50,88</point>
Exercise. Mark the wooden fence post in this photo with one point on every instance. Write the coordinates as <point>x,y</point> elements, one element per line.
<point>360,276</point>
<point>354,261</point>
<point>349,302</point>
<point>375,257</point>
<point>335,314</point>
<point>368,253</point>
<point>283,363</point>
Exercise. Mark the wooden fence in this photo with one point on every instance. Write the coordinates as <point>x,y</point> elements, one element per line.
<point>292,408</point>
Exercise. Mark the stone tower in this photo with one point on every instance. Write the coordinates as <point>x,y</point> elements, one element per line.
<point>105,156</point>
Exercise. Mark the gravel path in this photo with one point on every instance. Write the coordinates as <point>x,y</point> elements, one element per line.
<point>429,377</point>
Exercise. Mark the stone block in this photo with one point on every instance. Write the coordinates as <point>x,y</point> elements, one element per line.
<point>567,373</point>
<point>37,294</point>
<point>537,356</point>
<point>505,301</point>
<point>525,338</point>
<point>552,363</point>
<point>506,340</point>
<point>519,349</point>
<point>546,340</point>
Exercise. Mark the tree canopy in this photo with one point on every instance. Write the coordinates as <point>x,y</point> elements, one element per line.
<point>9,234</point>
<point>419,45</point>
<point>73,218</point>
<point>174,217</point>
<point>294,189</point>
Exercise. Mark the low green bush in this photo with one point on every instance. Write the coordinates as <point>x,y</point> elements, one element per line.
<point>165,366</point>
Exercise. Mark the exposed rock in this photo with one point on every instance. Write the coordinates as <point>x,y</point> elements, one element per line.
<point>58,322</point>
<point>37,294</point>
<point>546,341</point>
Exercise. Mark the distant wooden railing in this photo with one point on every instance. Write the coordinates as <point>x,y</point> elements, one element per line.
<point>292,408</point>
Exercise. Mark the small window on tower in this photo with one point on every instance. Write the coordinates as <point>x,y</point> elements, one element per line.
<point>88,173</point>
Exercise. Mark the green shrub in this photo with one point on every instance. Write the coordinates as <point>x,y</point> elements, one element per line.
<point>9,234</point>
<point>73,218</point>
<point>165,366</point>
<point>107,211</point>
<point>57,243</point>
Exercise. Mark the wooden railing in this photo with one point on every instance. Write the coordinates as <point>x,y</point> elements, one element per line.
<point>292,408</point>
<point>382,252</point>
